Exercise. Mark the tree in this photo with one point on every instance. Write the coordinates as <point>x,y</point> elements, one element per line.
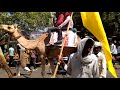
<point>26,20</point>
<point>30,21</point>
<point>110,20</point>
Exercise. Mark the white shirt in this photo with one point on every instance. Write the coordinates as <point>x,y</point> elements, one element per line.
<point>76,70</point>
<point>11,51</point>
<point>113,48</point>
<point>21,47</point>
<point>66,21</point>
<point>102,65</point>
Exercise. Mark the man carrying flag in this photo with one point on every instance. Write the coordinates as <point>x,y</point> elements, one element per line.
<point>92,21</point>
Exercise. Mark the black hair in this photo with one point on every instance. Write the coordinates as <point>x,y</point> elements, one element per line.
<point>90,41</point>
<point>10,45</point>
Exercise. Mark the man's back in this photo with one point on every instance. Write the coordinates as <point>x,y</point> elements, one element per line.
<point>11,51</point>
<point>113,48</point>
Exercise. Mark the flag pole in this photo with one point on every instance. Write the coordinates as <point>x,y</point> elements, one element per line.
<point>63,43</point>
<point>95,26</point>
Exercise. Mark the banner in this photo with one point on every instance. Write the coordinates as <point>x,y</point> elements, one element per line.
<point>92,21</point>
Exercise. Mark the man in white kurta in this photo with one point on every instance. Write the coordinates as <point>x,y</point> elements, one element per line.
<point>101,59</point>
<point>83,64</point>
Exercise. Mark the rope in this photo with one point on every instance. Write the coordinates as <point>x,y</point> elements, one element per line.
<point>58,63</point>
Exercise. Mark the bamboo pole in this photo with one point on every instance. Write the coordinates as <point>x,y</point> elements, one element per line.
<point>4,65</point>
<point>63,43</point>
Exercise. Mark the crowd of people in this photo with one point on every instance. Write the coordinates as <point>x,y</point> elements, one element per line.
<point>88,62</point>
<point>21,58</point>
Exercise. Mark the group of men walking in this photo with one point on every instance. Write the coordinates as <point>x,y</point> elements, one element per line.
<point>22,58</point>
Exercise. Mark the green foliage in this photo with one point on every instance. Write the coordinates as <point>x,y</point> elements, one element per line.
<point>32,20</point>
<point>26,20</point>
<point>110,20</point>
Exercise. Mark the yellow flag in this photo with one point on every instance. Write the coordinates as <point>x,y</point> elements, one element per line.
<point>92,21</point>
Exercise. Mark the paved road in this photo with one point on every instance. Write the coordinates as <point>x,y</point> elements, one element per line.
<point>117,71</point>
<point>24,74</point>
<point>37,74</point>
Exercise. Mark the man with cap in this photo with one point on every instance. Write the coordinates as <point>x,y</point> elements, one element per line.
<point>97,50</point>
